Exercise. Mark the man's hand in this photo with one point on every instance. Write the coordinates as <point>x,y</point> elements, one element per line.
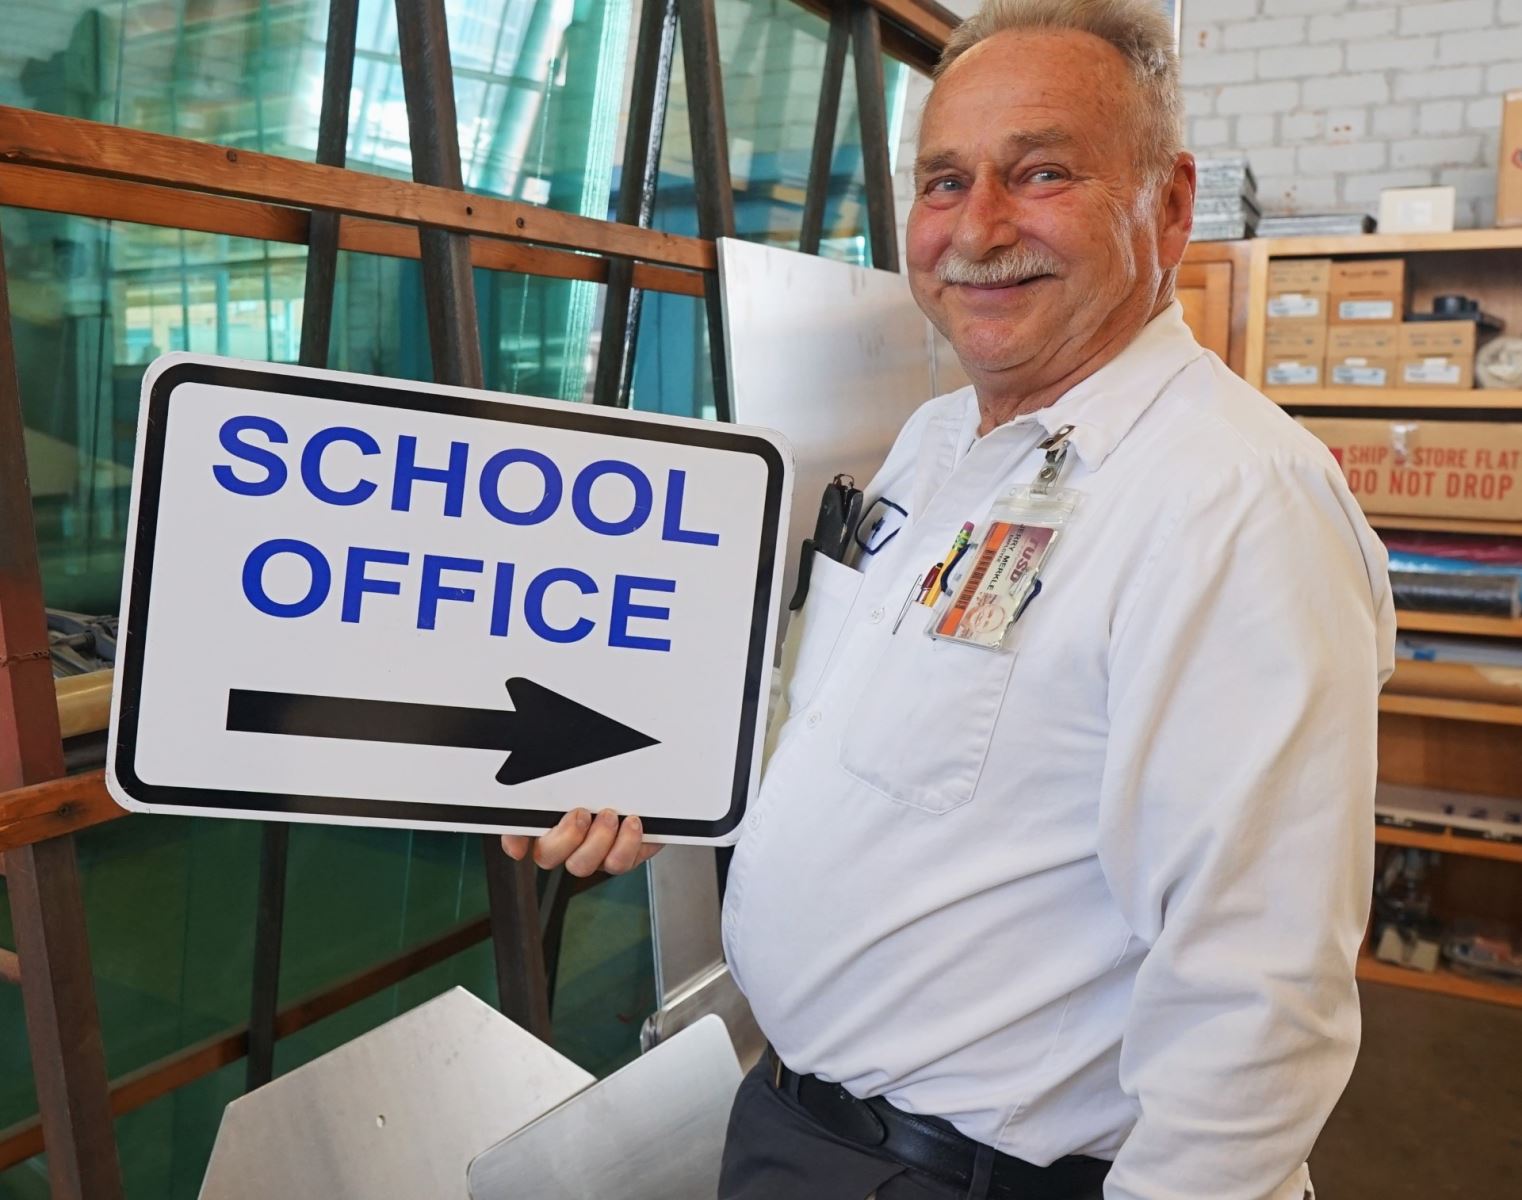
<point>584,845</point>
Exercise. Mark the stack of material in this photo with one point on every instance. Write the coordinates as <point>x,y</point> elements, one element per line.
<point>1316,225</point>
<point>1226,200</point>
<point>1475,575</point>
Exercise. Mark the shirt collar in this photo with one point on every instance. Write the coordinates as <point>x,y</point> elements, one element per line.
<point>1103,408</point>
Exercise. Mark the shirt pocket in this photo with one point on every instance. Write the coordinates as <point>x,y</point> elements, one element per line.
<point>921,727</point>
<point>815,628</point>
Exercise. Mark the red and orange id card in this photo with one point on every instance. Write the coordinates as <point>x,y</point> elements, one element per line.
<point>1000,581</point>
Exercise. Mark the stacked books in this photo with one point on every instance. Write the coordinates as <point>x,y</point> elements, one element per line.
<point>1317,225</point>
<point>1226,200</point>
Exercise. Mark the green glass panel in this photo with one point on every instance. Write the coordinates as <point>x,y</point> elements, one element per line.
<point>772,53</point>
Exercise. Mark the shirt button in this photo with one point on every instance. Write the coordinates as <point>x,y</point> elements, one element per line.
<point>813,719</point>
<point>875,616</point>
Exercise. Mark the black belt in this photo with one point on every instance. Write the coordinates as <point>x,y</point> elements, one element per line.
<point>935,1148</point>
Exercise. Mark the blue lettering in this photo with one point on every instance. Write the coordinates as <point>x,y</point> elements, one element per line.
<point>311,464</point>
<point>356,583</point>
<point>430,592</point>
<point>491,487</point>
<point>581,496</point>
<point>533,604</point>
<point>408,473</point>
<point>676,493</point>
<point>253,578</point>
<point>502,599</point>
<point>623,610</point>
<point>274,466</point>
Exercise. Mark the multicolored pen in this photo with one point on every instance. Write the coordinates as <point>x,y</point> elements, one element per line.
<point>958,548</point>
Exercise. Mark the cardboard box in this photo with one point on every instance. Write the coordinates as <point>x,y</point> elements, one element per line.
<point>1428,339</point>
<point>1293,353</point>
<point>1435,371</point>
<point>1371,290</point>
<point>1363,341</point>
<point>1369,276</point>
<point>1300,307</point>
<point>1509,170</point>
<point>1304,340</point>
<point>1360,370</point>
<point>1313,275</point>
<point>1411,468</point>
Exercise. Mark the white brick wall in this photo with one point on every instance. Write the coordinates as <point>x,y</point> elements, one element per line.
<point>1333,100</point>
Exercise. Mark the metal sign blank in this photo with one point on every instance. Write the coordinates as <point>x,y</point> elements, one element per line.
<point>651,1131</point>
<point>396,1114</point>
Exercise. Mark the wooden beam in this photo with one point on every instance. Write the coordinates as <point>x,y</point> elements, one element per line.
<point>132,1091</point>
<point>913,30</point>
<point>53,808</point>
<point>109,151</point>
<point>147,204</point>
<point>42,879</point>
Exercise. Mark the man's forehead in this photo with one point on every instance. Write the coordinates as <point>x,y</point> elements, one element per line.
<point>936,150</point>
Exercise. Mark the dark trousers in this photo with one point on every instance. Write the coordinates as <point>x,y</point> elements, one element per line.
<point>776,1150</point>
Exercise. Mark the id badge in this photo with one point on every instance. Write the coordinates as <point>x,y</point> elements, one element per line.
<point>986,602</point>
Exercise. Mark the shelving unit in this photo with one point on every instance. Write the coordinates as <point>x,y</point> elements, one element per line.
<point>1443,981</point>
<point>1410,621</point>
<point>1432,741</point>
<point>1445,709</point>
<point>1474,400</point>
<point>1447,525</point>
<point>1448,842</point>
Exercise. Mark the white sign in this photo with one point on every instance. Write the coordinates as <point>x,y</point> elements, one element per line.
<point>366,601</point>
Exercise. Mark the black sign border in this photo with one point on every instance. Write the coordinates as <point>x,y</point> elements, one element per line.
<point>576,417</point>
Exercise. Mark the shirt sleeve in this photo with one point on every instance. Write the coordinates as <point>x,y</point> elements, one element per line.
<point>1236,826</point>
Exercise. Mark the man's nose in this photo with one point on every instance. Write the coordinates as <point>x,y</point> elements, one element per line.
<point>987,221</point>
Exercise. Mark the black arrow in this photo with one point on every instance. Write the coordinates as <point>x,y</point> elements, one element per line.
<point>544,731</point>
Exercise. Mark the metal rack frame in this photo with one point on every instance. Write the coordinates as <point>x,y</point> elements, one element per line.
<point>65,165</point>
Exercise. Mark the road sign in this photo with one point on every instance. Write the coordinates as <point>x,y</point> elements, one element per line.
<point>366,601</point>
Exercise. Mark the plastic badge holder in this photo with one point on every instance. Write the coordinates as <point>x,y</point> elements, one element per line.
<point>1022,529</point>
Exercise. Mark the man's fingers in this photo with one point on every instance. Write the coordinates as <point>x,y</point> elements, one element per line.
<point>554,847</point>
<point>648,851</point>
<point>625,853</point>
<point>588,858</point>
<point>515,845</point>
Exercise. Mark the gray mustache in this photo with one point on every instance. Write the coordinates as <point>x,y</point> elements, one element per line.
<point>1010,265</point>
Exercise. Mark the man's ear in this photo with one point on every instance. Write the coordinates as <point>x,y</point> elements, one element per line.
<point>1176,211</point>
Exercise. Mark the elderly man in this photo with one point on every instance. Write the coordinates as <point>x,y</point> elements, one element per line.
<point>1069,911</point>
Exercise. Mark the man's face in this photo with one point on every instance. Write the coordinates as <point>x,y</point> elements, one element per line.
<point>1031,226</point>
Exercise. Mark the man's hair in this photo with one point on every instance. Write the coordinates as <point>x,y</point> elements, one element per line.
<point>1136,28</point>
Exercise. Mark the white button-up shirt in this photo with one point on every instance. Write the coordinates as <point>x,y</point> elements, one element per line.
<point>1101,893</point>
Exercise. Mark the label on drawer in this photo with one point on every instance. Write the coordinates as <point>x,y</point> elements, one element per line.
<point>1284,374</point>
<point>1366,310</point>
<point>1359,375</point>
<point>1294,304</point>
<point>1433,370</point>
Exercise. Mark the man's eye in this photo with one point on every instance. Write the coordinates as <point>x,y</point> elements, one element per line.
<point>943,185</point>
<point>1046,175</point>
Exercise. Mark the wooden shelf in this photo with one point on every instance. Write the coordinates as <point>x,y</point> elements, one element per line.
<point>1356,397</point>
<point>1451,710</point>
<point>1447,843</point>
<point>1394,243</point>
<point>1437,622</point>
<point>1442,981</point>
<point>1446,525</point>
